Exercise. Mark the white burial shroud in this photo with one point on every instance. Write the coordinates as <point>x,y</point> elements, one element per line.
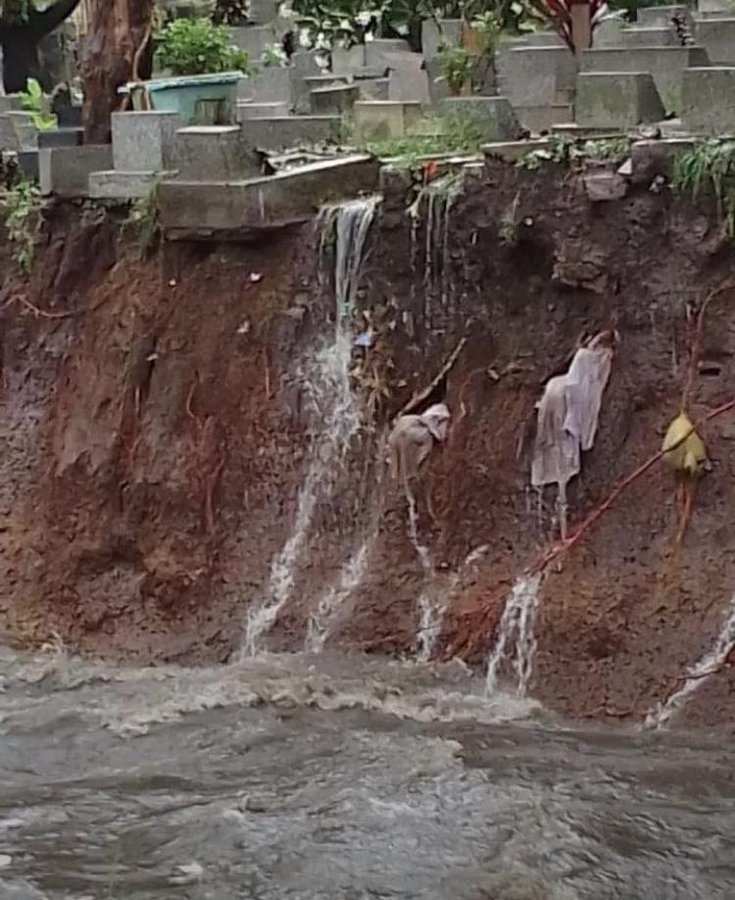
<point>568,414</point>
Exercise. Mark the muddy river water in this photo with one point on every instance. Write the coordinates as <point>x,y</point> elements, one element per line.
<point>347,778</point>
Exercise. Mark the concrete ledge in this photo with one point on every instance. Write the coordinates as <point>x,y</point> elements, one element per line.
<point>543,118</point>
<point>335,100</point>
<point>617,100</point>
<point>65,171</point>
<point>142,140</point>
<point>666,64</point>
<point>257,110</point>
<point>117,185</point>
<point>656,157</point>
<point>708,100</point>
<point>717,36</point>
<point>510,151</point>
<point>377,120</point>
<point>285,132</point>
<point>61,137</point>
<point>536,76</point>
<point>238,209</point>
<point>649,37</point>
<point>662,16</point>
<point>212,153</point>
<point>493,116</point>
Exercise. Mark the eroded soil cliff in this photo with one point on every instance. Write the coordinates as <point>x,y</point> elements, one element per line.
<point>156,438</point>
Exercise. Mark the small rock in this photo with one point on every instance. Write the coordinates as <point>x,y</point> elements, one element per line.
<point>604,186</point>
<point>5,860</point>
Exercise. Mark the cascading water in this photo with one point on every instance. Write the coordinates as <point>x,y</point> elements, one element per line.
<point>350,576</point>
<point>438,196</point>
<point>326,380</point>
<point>433,605</point>
<point>697,674</point>
<point>516,624</point>
<point>441,195</point>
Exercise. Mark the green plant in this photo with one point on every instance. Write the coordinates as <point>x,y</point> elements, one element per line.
<point>710,165</point>
<point>230,12</point>
<point>488,27</point>
<point>273,56</point>
<point>23,208</point>
<point>145,221</point>
<point>455,65</point>
<point>606,150</point>
<point>431,137</point>
<point>559,150</point>
<point>32,99</point>
<point>199,47</point>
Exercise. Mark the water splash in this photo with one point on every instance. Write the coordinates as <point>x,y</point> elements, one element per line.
<point>333,407</point>
<point>433,606</point>
<point>321,622</point>
<point>422,551</point>
<point>516,624</point>
<point>697,674</point>
<point>431,617</point>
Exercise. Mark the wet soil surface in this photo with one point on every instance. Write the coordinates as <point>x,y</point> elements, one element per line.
<point>157,429</point>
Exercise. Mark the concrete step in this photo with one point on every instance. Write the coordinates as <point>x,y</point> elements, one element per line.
<point>253,110</point>
<point>116,185</point>
<point>192,209</point>
<point>664,36</point>
<point>287,132</point>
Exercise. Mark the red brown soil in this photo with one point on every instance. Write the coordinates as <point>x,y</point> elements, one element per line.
<point>155,440</point>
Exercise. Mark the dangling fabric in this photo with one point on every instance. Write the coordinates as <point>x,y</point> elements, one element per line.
<point>568,414</point>
<point>436,418</point>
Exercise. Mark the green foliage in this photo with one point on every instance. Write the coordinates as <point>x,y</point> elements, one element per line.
<point>325,24</point>
<point>199,47</point>
<point>145,222</point>
<point>710,165</point>
<point>23,206</point>
<point>432,137</point>
<point>488,28</point>
<point>273,56</point>
<point>230,12</point>
<point>606,149</point>
<point>564,151</point>
<point>455,65</point>
<point>32,99</point>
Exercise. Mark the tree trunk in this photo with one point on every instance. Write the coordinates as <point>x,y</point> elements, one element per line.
<point>118,32</point>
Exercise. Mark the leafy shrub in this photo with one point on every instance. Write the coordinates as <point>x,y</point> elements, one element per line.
<point>455,65</point>
<point>199,47</point>
<point>22,206</point>
<point>31,99</point>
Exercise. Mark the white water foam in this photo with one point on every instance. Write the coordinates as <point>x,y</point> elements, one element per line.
<point>321,621</point>
<point>334,407</point>
<point>433,608</point>
<point>422,551</point>
<point>698,673</point>
<point>516,624</point>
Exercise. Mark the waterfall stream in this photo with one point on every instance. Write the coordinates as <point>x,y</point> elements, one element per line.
<point>516,625</point>
<point>695,676</point>
<point>326,381</point>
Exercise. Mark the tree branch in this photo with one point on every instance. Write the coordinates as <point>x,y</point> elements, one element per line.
<point>40,23</point>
